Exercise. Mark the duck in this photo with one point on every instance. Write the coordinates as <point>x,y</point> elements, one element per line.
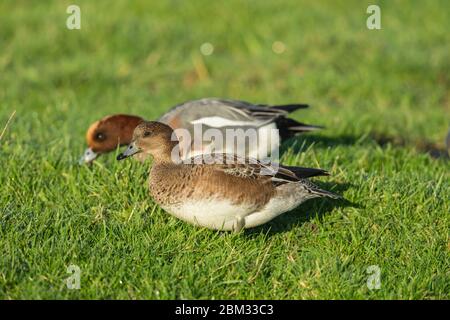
<point>112,131</point>
<point>219,191</point>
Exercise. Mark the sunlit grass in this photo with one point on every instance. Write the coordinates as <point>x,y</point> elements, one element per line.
<point>132,57</point>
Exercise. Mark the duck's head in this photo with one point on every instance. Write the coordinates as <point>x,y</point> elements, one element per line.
<point>153,138</point>
<point>106,134</point>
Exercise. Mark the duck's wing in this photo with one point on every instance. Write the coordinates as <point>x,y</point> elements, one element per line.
<point>251,168</point>
<point>219,113</point>
<point>261,174</point>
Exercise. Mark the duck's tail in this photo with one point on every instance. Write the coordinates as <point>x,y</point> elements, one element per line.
<point>302,172</point>
<point>289,127</point>
<point>290,107</point>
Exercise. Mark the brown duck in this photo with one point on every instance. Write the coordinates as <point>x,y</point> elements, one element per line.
<point>219,191</point>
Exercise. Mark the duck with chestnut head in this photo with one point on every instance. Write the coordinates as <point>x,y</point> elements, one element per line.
<point>107,134</point>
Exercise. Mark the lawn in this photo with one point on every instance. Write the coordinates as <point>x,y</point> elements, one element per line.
<point>383,95</point>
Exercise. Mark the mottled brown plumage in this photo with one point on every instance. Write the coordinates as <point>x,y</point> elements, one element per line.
<point>218,191</point>
<point>171,183</point>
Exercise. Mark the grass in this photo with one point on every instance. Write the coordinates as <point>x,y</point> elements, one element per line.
<point>142,59</point>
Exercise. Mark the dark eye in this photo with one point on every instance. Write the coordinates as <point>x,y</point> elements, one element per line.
<point>100,136</point>
<point>147,133</point>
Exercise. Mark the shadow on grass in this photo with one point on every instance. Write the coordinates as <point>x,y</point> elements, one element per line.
<point>301,215</point>
<point>435,150</point>
<point>304,142</point>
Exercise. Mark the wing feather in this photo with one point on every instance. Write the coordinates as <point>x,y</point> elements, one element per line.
<point>251,168</point>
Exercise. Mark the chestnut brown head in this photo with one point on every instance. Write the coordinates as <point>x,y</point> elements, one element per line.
<point>107,134</point>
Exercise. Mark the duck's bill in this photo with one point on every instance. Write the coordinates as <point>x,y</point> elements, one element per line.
<point>129,151</point>
<point>88,156</point>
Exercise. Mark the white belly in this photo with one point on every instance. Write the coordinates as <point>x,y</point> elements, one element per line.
<point>223,215</point>
<point>212,214</point>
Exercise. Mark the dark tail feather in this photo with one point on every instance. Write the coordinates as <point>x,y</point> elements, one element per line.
<point>303,127</point>
<point>290,107</point>
<point>303,173</point>
<point>289,127</point>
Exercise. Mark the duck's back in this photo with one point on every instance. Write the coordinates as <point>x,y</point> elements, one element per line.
<point>171,184</point>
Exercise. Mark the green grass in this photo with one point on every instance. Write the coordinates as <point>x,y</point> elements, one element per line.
<point>142,59</point>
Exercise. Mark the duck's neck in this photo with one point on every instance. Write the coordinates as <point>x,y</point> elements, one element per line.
<point>164,183</point>
<point>167,154</point>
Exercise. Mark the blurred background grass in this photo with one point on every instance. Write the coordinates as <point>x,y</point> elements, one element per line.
<point>141,58</point>
<point>370,88</point>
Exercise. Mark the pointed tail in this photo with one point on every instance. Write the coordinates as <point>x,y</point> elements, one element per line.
<point>288,108</point>
<point>289,127</point>
<point>302,172</point>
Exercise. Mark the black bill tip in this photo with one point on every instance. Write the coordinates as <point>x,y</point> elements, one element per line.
<point>121,156</point>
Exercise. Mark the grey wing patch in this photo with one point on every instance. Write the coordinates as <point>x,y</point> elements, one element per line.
<point>191,112</point>
<point>196,109</point>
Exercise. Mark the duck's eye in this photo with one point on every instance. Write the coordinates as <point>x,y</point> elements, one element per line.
<point>100,136</point>
<point>147,133</point>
